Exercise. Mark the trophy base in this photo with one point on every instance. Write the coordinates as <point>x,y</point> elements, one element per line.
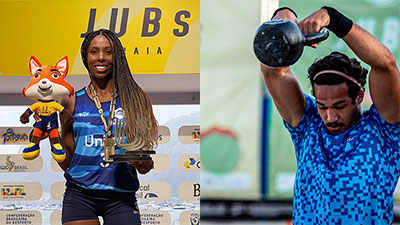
<point>131,156</point>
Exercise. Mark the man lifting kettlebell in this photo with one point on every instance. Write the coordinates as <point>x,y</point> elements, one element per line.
<point>348,161</point>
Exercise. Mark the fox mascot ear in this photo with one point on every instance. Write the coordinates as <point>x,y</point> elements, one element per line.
<point>34,65</point>
<point>62,66</point>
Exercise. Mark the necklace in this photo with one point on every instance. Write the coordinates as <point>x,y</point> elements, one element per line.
<point>109,144</point>
<point>107,128</point>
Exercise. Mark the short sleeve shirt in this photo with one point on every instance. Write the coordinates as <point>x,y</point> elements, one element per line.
<point>347,178</point>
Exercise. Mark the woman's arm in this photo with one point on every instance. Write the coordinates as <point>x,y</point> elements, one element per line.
<point>143,167</point>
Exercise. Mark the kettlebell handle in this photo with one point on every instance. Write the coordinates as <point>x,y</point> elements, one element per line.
<point>317,37</point>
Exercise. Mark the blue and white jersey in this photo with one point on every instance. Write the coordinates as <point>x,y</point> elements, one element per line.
<point>87,168</point>
<point>347,178</point>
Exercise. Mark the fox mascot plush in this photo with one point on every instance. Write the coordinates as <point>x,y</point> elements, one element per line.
<point>46,85</point>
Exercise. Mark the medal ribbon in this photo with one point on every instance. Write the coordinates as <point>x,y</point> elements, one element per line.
<point>100,110</point>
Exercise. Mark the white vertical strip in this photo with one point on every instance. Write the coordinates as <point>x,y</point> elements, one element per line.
<point>267,9</point>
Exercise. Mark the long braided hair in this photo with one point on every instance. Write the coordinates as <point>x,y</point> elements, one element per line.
<point>135,103</point>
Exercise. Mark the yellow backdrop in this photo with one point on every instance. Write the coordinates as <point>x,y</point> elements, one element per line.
<point>160,37</point>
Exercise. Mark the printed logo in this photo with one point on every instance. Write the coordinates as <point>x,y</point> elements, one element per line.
<point>22,217</point>
<point>96,140</point>
<point>143,191</point>
<point>190,218</point>
<point>102,164</point>
<point>153,191</point>
<point>151,195</point>
<point>83,114</point>
<point>196,190</point>
<point>20,191</point>
<point>119,114</point>
<point>189,134</point>
<point>151,23</point>
<point>350,139</point>
<point>189,191</point>
<point>155,217</point>
<point>13,192</point>
<point>194,219</point>
<point>189,163</point>
<point>163,134</point>
<point>196,135</point>
<point>10,166</point>
<point>11,137</point>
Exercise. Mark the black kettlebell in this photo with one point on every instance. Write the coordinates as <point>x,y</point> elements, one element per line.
<point>280,43</point>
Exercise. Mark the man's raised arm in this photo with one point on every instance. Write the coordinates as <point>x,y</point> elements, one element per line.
<point>283,86</point>
<point>384,78</point>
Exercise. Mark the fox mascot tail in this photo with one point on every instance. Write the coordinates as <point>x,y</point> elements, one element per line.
<point>46,85</point>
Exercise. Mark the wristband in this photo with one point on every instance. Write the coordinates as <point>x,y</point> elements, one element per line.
<point>282,8</point>
<point>339,24</point>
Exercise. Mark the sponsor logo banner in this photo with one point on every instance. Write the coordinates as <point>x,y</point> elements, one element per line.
<point>55,217</point>
<point>159,37</point>
<point>189,218</point>
<point>189,162</point>
<point>150,191</point>
<point>20,191</point>
<point>20,217</point>
<point>14,163</point>
<point>15,135</point>
<point>161,162</point>
<point>189,191</point>
<point>57,190</point>
<point>163,134</point>
<point>155,217</point>
<point>189,134</point>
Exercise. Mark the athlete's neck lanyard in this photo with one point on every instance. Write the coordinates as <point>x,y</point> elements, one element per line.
<point>108,129</point>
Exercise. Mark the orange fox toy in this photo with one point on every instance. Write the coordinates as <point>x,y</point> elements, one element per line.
<point>46,85</point>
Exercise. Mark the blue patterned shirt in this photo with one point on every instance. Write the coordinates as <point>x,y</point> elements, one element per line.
<point>347,178</point>
<point>87,168</point>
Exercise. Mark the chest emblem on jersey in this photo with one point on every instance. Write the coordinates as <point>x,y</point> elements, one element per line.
<point>119,114</point>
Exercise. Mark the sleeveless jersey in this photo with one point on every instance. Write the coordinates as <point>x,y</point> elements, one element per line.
<point>347,178</point>
<point>87,168</point>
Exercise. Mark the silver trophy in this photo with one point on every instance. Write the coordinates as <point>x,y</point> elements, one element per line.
<point>133,150</point>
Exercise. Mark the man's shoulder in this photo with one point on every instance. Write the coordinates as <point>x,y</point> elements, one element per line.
<point>311,105</point>
<point>311,112</point>
<point>310,118</point>
<point>373,123</point>
<point>372,116</point>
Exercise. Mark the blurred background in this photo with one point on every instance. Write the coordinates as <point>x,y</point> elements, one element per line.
<point>248,161</point>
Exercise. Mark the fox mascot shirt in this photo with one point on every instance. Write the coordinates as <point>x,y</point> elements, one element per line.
<point>46,85</point>
<point>48,114</point>
<point>46,108</point>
